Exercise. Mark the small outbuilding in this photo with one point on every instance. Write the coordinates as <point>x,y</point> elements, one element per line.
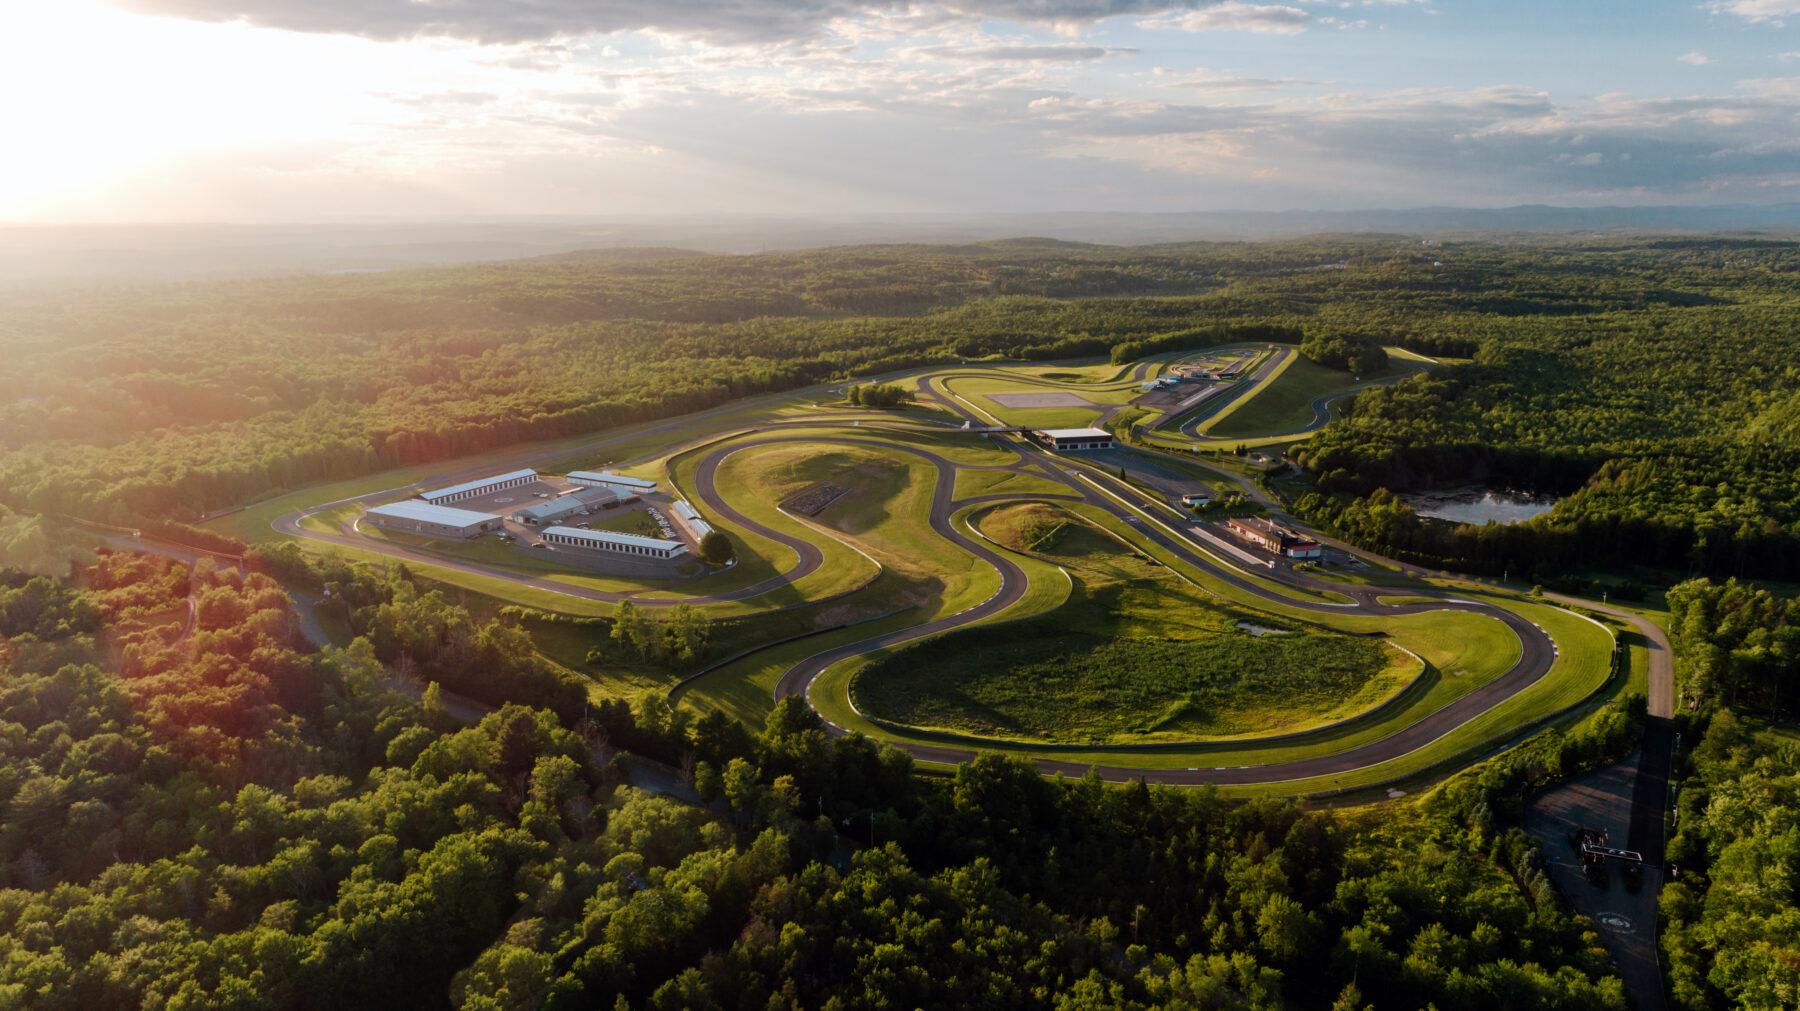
<point>1065,440</point>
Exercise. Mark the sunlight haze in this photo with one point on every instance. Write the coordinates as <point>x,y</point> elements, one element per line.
<point>214,110</point>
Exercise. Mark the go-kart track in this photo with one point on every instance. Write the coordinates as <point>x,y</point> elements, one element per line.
<point>714,440</point>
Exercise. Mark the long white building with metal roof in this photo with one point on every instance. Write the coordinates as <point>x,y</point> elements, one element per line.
<point>478,487</point>
<point>617,543</point>
<point>557,509</point>
<point>689,517</point>
<point>617,482</point>
<point>1064,440</point>
<point>431,520</point>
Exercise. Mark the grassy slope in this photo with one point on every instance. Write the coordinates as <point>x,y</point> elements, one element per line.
<point>888,518</point>
<point>1117,596</point>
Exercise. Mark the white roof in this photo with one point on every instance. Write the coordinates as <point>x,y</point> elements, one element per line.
<point>686,511</point>
<point>1078,433</point>
<point>613,537</point>
<point>477,483</point>
<point>425,512</point>
<point>609,477</point>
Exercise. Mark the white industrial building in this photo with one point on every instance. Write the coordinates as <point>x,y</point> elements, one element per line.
<point>1064,440</point>
<point>617,543</point>
<point>478,487</point>
<point>617,482</point>
<point>544,514</point>
<point>689,517</point>
<point>432,520</point>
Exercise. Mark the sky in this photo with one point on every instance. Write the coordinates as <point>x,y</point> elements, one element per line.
<point>335,110</point>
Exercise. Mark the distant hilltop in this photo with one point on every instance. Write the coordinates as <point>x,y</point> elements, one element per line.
<point>175,252</point>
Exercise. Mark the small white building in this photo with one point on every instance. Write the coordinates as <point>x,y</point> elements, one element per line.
<point>429,520</point>
<point>652,548</point>
<point>689,517</point>
<point>1065,440</point>
<point>478,487</point>
<point>617,482</point>
<point>1196,498</point>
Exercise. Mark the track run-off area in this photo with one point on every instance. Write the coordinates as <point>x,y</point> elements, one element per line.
<point>1561,660</point>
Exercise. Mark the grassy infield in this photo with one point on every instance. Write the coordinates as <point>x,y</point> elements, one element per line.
<point>929,579</point>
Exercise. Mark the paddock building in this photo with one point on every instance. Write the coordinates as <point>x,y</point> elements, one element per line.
<point>620,544</point>
<point>432,520</point>
<point>689,517</point>
<point>617,482</point>
<point>479,487</point>
<point>1274,538</point>
<point>1065,440</point>
<point>544,514</point>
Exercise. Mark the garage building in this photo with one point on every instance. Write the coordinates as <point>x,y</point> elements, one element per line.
<point>544,514</point>
<point>1065,440</point>
<point>689,517</point>
<point>617,482</point>
<point>432,520</point>
<point>478,487</point>
<point>622,544</point>
<point>1273,537</point>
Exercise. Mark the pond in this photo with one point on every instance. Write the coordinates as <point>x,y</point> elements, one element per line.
<point>1478,505</point>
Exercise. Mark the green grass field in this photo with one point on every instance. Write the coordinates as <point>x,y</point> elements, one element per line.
<point>973,483</point>
<point>1136,654</point>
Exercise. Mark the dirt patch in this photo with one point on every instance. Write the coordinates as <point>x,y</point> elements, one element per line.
<point>1023,401</point>
<point>813,500</point>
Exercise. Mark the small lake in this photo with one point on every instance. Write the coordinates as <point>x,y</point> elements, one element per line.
<point>1478,505</point>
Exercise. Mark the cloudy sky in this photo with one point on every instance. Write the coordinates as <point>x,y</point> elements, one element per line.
<point>315,110</point>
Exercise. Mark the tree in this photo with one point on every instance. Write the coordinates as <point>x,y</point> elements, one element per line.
<point>687,632</point>
<point>632,629</point>
<point>716,549</point>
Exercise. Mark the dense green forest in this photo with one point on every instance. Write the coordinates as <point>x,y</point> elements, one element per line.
<point>205,813</point>
<point>1732,913</point>
<point>1655,380</point>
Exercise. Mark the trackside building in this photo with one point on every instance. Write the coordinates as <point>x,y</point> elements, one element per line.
<point>617,482</point>
<point>1273,537</point>
<point>649,548</point>
<point>432,520</point>
<point>556,510</point>
<point>479,487</point>
<point>1065,440</point>
<point>689,517</point>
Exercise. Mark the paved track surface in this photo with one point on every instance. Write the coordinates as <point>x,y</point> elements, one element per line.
<point>1537,652</point>
<point>1129,504</point>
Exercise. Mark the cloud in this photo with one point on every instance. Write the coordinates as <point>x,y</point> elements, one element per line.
<point>1234,16</point>
<point>1756,10</point>
<point>1017,54</point>
<point>1694,59</point>
<point>1206,81</point>
<point>731,22</point>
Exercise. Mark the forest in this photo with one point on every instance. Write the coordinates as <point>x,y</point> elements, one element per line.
<point>1731,933</point>
<point>1649,381</point>
<point>198,810</point>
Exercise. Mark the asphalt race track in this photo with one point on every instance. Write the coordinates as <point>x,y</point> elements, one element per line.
<point>1090,485</point>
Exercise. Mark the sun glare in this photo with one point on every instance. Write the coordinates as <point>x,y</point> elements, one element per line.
<point>94,96</point>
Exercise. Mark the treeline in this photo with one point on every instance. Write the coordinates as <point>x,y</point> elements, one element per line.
<point>364,850</point>
<point>1637,421</point>
<point>1345,350</point>
<point>170,403</point>
<point>1131,351</point>
<point>1731,911</point>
